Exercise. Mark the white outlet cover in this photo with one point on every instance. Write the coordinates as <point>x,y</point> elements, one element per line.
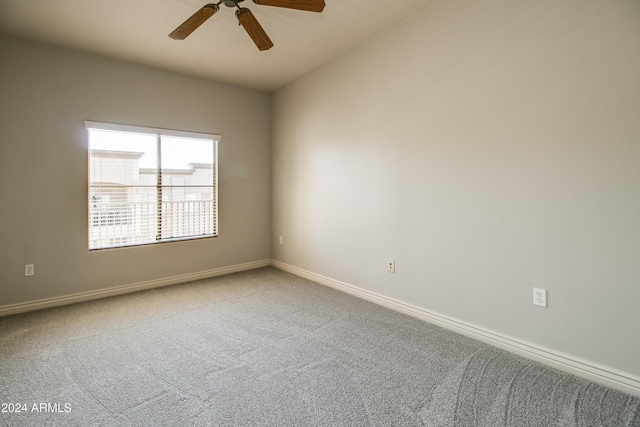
<point>391,266</point>
<point>540,297</point>
<point>29,270</point>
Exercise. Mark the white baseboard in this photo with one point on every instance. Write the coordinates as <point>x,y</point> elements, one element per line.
<point>600,374</point>
<point>7,310</point>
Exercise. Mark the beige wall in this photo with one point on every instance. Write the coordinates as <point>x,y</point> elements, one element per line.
<point>489,147</point>
<point>45,96</point>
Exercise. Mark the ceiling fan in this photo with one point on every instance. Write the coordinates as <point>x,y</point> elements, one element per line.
<point>245,18</point>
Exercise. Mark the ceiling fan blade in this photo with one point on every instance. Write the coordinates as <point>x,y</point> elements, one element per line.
<point>308,5</point>
<point>194,21</point>
<point>253,28</point>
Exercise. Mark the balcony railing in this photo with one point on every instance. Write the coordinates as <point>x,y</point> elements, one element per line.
<point>126,224</point>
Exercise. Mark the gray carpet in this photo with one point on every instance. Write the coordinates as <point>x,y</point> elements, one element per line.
<point>268,348</point>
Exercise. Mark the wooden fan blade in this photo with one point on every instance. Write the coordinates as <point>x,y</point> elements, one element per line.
<point>194,21</point>
<point>308,5</point>
<point>254,29</point>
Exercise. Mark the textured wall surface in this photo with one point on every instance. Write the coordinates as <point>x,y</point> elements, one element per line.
<point>489,148</point>
<point>46,94</point>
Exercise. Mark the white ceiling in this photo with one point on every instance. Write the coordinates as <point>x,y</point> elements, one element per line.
<point>137,31</point>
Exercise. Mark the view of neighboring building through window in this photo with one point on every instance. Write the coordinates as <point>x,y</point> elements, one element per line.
<point>150,185</point>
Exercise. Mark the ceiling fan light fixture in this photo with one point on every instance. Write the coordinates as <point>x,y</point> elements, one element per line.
<point>254,29</point>
<point>245,17</point>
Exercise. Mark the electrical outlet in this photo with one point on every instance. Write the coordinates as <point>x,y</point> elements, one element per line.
<point>391,266</point>
<point>29,269</point>
<point>540,297</point>
<point>280,240</point>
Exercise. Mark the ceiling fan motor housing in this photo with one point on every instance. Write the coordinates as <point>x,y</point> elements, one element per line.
<point>232,3</point>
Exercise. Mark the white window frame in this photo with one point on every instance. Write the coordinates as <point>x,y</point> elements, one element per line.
<point>159,133</point>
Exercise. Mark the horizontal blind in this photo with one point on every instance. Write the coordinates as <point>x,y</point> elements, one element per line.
<point>148,186</point>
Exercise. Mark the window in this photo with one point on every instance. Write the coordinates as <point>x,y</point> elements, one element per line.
<point>150,185</point>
